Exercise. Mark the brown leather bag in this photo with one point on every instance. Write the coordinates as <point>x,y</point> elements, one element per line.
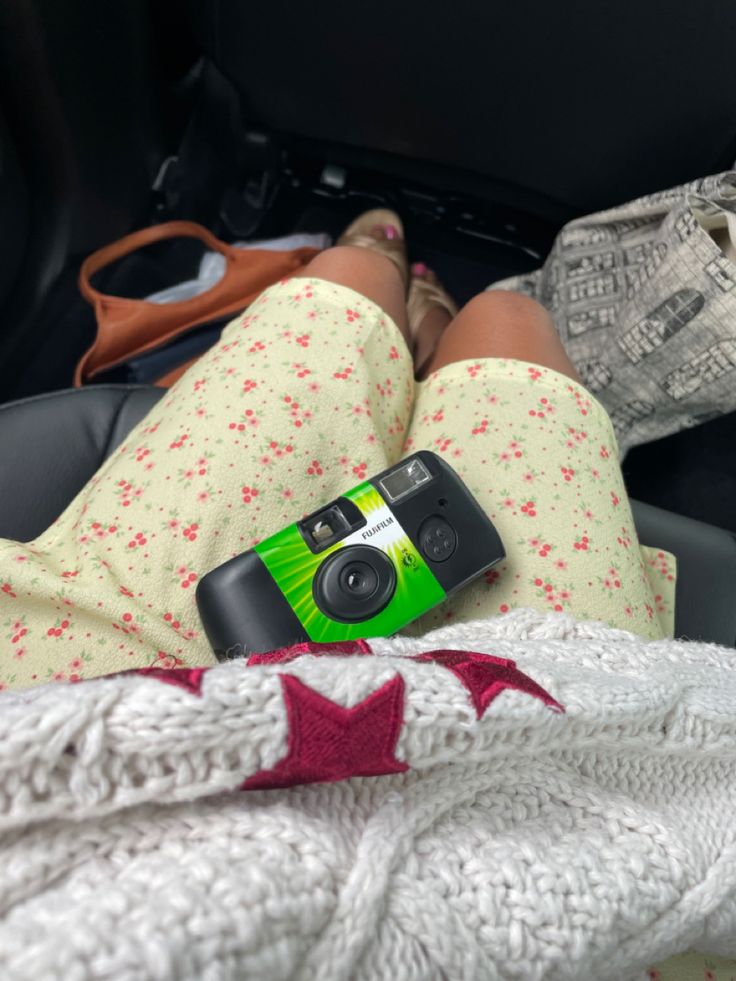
<point>127,327</point>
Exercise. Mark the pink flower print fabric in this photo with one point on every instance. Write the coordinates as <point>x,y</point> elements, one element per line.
<point>693,967</point>
<point>306,394</point>
<point>539,453</point>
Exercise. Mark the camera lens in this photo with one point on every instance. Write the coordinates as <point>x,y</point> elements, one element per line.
<point>354,583</point>
<point>359,579</point>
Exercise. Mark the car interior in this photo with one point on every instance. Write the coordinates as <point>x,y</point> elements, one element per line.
<point>486,128</point>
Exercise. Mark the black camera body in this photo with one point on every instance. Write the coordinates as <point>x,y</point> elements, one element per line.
<point>364,565</point>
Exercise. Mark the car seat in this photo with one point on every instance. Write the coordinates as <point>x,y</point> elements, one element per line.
<point>52,444</point>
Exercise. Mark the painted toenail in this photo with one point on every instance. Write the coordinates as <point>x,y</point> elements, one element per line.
<point>391,231</point>
<point>419,269</point>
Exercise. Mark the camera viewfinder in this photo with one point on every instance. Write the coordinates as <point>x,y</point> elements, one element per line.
<point>330,524</point>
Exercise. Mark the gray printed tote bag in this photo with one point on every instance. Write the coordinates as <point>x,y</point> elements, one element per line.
<point>644,298</point>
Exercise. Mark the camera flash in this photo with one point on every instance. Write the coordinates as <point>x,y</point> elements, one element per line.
<point>404,479</point>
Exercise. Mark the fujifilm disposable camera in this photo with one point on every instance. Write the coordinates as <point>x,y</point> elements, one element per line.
<point>364,565</point>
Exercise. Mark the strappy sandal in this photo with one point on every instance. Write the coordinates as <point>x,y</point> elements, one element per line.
<point>391,244</point>
<point>424,296</point>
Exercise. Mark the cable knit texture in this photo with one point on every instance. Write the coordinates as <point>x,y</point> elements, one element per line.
<point>575,822</point>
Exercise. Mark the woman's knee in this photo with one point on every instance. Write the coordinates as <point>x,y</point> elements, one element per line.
<point>504,309</point>
<point>366,272</point>
<point>502,324</point>
<point>352,263</point>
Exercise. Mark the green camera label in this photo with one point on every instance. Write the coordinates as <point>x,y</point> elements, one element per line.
<point>293,566</point>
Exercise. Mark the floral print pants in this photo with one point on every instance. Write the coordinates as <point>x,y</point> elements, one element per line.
<point>307,394</point>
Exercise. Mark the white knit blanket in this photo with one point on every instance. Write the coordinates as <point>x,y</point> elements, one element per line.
<point>512,840</point>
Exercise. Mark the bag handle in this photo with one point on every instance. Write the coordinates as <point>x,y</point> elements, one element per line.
<point>126,327</point>
<point>131,243</point>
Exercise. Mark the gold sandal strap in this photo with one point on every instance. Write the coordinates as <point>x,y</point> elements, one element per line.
<point>392,248</point>
<point>423,296</point>
<point>358,234</point>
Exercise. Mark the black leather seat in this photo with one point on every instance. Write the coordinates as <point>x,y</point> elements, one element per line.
<point>52,444</point>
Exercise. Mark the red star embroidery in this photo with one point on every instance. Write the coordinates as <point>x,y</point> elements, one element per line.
<point>284,654</point>
<point>486,676</point>
<point>190,679</point>
<point>328,742</point>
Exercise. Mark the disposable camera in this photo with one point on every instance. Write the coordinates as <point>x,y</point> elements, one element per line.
<point>364,565</point>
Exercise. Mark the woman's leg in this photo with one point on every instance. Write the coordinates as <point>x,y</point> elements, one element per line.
<point>305,395</point>
<point>368,273</point>
<point>501,324</point>
<point>503,403</point>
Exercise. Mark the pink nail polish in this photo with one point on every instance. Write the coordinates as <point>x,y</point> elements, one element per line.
<point>391,231</point>
<point>419,269</point>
